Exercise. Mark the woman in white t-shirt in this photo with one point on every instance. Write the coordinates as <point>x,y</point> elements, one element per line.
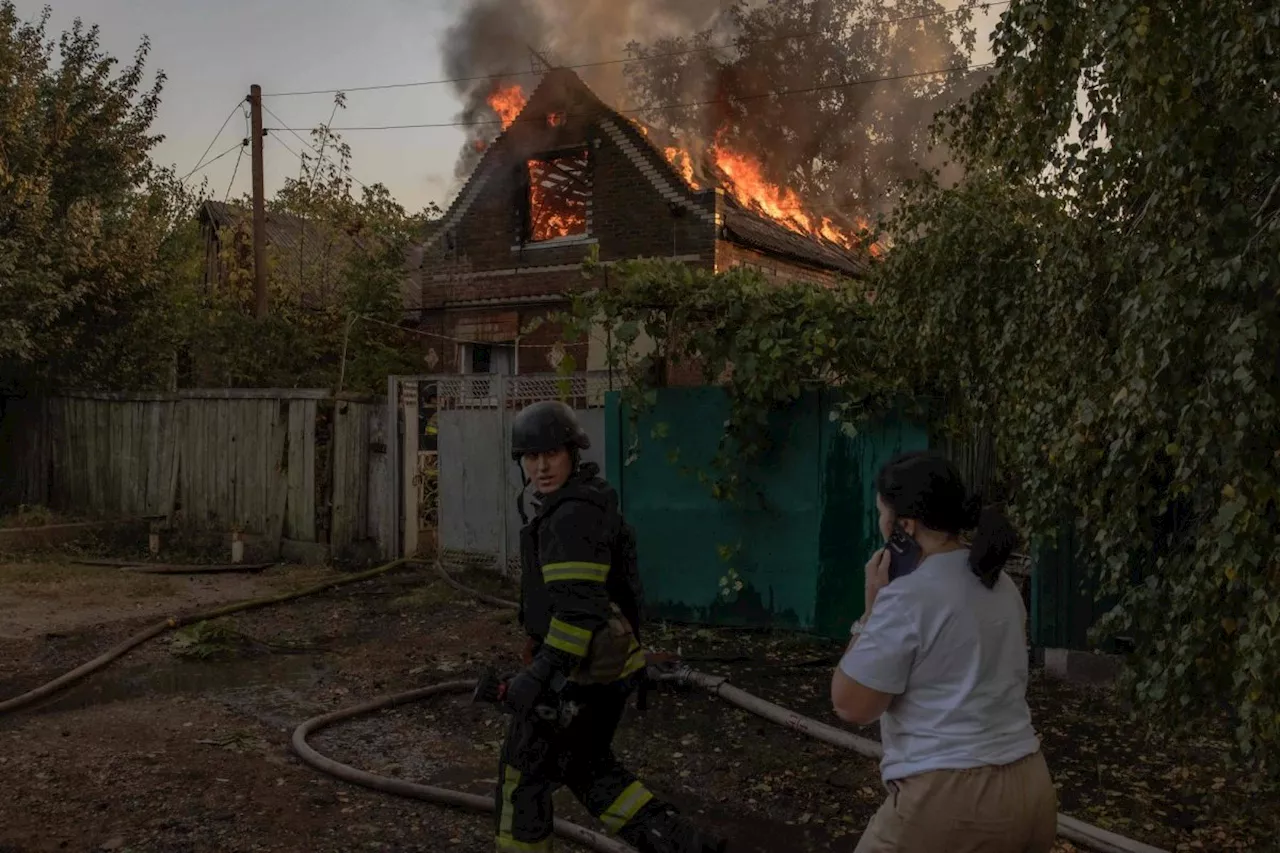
<point>940,658</point>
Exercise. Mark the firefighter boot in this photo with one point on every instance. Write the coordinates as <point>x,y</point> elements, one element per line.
<point>663,830</point>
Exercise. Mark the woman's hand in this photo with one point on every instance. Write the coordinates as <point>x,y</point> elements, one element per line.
<point>877,576</point>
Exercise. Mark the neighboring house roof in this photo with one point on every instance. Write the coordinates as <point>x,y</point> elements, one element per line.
<point>284,230</point>
<point>294,234</point>
<point>740,225</point>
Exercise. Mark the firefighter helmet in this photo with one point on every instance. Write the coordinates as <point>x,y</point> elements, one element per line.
<point>546,426</point>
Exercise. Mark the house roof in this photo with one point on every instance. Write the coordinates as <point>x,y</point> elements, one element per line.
<point>754,231</point>
<point>287,232</point>
<point>739,225</point>
<point>283,231</point>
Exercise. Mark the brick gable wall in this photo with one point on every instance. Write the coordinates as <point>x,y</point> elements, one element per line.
<point>476,265</point>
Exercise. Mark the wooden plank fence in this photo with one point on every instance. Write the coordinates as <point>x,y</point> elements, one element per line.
<point>288,464</point>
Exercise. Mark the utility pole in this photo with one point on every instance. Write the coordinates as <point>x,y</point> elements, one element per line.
<point>259,206</point>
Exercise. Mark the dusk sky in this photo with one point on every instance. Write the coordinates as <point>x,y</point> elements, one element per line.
<point>213,52</point>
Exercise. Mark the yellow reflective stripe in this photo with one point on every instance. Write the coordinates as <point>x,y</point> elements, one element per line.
<point>636,660</point>
<point>511,778</point>
<point>569,638</point>
<point>625,807</point>
<point>507,844</point>
<point>594,572</point>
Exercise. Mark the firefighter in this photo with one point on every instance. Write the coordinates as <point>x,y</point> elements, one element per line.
<point>580,604</point>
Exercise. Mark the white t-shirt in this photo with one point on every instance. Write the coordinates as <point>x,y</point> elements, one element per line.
<point>954,653</point>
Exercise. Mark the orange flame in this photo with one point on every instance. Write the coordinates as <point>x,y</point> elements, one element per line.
<point>555,210</point>
<point>742,176</point>
<point>507,102</point>
<point>746,182</point>
<point>680,158</point>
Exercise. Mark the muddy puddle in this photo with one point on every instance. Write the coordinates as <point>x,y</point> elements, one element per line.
<point>273,688</point>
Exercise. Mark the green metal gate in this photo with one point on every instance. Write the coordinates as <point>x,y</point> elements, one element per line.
<point>796,539</point>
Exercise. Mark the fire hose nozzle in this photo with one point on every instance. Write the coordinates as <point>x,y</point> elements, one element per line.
<point>678,673</point>
<point>490,688</point>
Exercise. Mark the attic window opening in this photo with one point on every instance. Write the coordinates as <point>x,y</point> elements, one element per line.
<point>559,196</point>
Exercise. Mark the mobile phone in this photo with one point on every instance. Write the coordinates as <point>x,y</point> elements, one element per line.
<point>904,553</point>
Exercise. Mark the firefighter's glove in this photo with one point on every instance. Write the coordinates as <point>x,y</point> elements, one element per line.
<point>490,687</point>
<point>523,692</point>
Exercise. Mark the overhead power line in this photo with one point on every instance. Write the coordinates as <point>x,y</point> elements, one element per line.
<point>212,142</point>
<point>634,59</point>
<point>286,147</point>
<point>782,93</point>
<point>304,141</point>
<point>208,163</point>
<point>236,170</point>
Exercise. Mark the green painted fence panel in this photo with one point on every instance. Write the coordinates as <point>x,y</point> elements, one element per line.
<point>797,539</point>
<point>688,540</point>
<point>1065,602</point>
<point>850,522</point>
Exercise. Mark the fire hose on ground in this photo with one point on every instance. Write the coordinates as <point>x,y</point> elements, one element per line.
<point>1069,828</point>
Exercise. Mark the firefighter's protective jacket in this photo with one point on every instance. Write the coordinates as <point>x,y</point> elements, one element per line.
<point>580,597</point>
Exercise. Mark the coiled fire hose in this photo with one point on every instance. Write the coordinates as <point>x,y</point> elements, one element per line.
<point>1069,828</point>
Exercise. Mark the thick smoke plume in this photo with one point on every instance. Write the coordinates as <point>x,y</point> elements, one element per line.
<point>837,143</point>
<point>499,38</point>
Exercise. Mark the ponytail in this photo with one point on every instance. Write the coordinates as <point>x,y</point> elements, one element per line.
<point>993,542</point>
<point>926,486</point>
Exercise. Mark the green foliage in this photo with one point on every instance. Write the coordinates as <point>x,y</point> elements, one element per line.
<point>84,215</point>
<point>207,641</point>
<point>28,516</point>
<point>334,293</point>
<point>766,342</point>
<point>1101,295</point>
<point>102,257</point>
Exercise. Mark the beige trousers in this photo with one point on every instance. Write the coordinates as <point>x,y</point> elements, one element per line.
<point>1008,809</point>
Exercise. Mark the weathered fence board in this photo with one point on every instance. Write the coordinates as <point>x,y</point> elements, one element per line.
<point>350,453</point>
<point>300,515</point>
<point>381,514</point>
<point>214,460</point>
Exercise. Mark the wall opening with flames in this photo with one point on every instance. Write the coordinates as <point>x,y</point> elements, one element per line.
<point>559,195</point>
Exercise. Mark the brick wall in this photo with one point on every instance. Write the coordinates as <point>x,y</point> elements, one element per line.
<point>481,256</point>
<point>499,325</point>
<point>729,255</point>
<point>439,354</point>
<point>536,344</point>
<point>639,207</point>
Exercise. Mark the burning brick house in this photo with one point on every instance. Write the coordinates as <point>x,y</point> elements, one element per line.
<point>568,174</point>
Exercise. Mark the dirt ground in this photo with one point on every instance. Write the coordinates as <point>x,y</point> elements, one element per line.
<point>170,752</point>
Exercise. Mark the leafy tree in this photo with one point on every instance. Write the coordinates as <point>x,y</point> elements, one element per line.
<point>102,257</point>
<point>1101,295</point>
<point>84,214</point>
<point>842,147</point>
<point>335,290</point>
<point>766,342</point>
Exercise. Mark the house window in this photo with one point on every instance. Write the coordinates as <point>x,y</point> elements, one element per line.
<point>559,197</point>
<point>488,358</point>
<point>481,358</point>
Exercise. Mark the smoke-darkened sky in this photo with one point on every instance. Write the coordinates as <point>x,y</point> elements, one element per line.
<point>212,52</point>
